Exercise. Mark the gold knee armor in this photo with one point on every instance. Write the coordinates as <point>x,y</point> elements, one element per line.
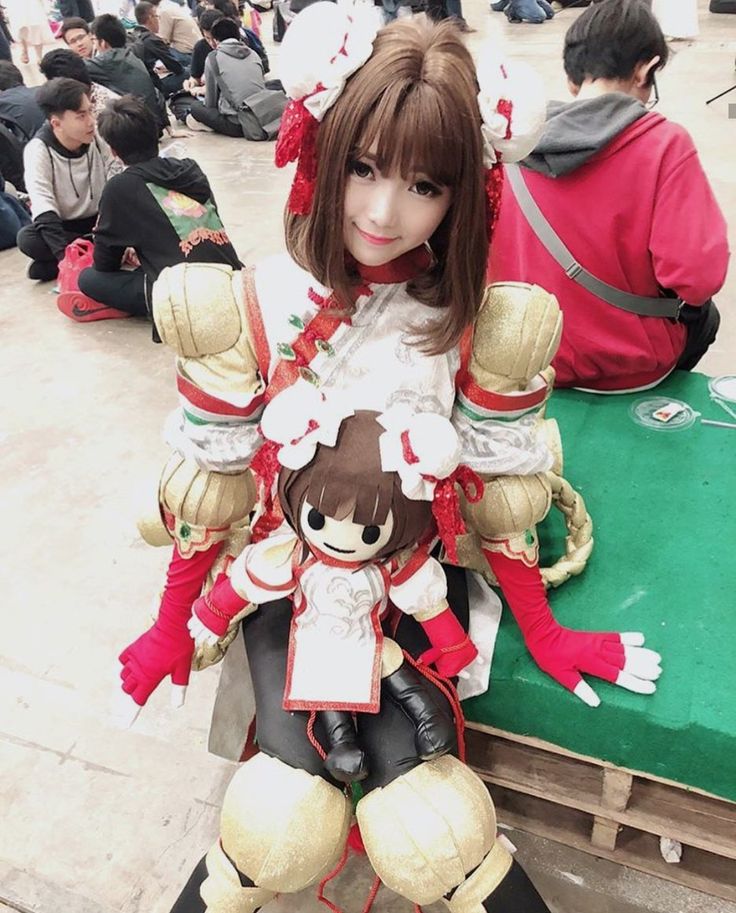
<point>222,891</point>
<point>282,827</point>
<point>428,828</point>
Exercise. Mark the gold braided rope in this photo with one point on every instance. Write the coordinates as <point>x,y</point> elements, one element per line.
<point>579,541</point>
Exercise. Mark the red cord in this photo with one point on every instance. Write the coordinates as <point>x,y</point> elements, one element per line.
<point>333,874</point>
<point>372,895</point>
<point>448,689</point>
<point>312,737</point>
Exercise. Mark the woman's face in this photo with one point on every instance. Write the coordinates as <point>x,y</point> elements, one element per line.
<point>343,539</point>
<point>387,215</point>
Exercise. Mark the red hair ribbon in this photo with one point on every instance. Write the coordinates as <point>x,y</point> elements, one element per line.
<point>297,142</point>
<point>446,505</point>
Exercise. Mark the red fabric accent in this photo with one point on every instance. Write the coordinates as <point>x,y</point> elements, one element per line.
<point>494,190</point>
<point>561,652</point>
<point>372,894</point>
<point>501,402</point>
<point>452,649</point>
<point>197,397</point>
<point>665,244</point>
<point>404,268</point>
<point>166,647</point>
<point>406,449</point>
<point>312,737</point>
<point>446,506</point>
<point>257,328</point>
<point>333,874</point>
<point>217,608</point>
<point>297,141</point>
<point>355,840</point>
<point>322,326</point>
<point>265,464</point>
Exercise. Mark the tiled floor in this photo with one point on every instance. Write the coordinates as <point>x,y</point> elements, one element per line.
<point>95,820</point>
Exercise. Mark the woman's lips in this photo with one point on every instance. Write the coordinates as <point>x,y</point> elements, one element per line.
<point>373,239</point>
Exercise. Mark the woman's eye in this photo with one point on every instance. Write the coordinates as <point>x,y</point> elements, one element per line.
<point>315,519</point>
<point>371,535</point>
<point>426,189</point>
<point>360,169</point>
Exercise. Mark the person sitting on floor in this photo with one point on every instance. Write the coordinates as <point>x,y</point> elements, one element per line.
<point>117,67</point>
<point>232,74</point>
<point>178,29</point>
<point>153,50</point>
<point>202,48</point>
<point>75,34</point>
<point>162,208</point>
<point>64,62</point>
<point>66,168</point>
<point>20,118</point>
<point>624,190</point>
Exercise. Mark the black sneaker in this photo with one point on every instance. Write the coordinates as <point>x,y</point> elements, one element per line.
<point>45,270</point>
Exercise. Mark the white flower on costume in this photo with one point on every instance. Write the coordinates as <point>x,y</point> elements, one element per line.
<point>432,442</point>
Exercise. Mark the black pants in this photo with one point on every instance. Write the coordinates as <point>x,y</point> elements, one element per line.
<point>702,325</point>
<point>31,243</point>
<point>212,118</point>
<point>122,289</point>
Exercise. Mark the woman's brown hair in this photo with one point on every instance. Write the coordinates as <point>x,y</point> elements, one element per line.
<point>348,477</point>
<point>416,100</point>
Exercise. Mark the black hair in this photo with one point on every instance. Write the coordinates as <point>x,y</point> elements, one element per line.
<point>225,28</point>
<point>10,75</point>
<point>143,12</point>
<point>109,28</point>
<point>64,62</point>
<point>226,7</point>
<point>73,22</point>
<point>61,94</point>
<point>129,128</point>
<point>208,19</point>
<point>610,39</point>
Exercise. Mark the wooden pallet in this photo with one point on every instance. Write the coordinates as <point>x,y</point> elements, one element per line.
<point>608,811</point>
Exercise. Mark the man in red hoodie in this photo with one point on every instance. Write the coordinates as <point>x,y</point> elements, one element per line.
<point>625,192</point>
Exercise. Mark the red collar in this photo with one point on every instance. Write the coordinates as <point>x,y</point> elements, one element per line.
<point>332,561</point>
<point>408,266</point>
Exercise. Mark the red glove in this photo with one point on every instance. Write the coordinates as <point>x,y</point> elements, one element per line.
<point>217,608</point>
<point>452,650</point>
<point>166,648</point>
<point>560,652</point>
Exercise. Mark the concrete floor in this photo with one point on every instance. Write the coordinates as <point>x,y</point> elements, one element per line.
<point>96,820</point>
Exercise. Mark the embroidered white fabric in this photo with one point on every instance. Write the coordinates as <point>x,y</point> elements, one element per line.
<point>425,589</point>
<point>503,448</point>
<point>214,448</point>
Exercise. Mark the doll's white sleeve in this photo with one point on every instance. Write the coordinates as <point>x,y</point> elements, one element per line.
<point>425,588</point>
<point>264,571</point>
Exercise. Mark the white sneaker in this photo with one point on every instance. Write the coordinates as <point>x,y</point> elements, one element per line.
<point>193,124</point>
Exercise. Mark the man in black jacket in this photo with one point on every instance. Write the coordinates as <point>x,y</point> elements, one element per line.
<point>20,118</point>
<point>161,208</point>
<point>151,49</point>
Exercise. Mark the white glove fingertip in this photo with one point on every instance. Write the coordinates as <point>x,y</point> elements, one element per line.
<point>178,696</point>
<point>464,674</point>
<point>632,683</point>
<point>632,638</point>
<point>586,694</point>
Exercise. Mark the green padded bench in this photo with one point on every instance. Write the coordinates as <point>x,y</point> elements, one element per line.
<point>664,512</point>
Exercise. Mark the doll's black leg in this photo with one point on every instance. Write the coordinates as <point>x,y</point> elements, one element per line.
<point>435,730</point>
<point>515,894</point>
<point>345,760</point>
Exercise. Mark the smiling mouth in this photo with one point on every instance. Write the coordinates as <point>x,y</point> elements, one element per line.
<point>343,551</point>
<point>374,239</point>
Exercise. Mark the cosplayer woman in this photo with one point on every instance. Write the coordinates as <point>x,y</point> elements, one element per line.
<point>389,134</point>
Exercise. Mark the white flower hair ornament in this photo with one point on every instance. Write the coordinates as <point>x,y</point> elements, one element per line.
<point>325,44</point>
<point>513,108</point>
<point>424,449</point>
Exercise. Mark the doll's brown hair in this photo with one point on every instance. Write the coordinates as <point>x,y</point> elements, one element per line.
<point>416,98</point>
<point>348,477</point>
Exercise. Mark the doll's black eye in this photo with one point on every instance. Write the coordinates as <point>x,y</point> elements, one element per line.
<point>370,535</point>
<point>315,519</point>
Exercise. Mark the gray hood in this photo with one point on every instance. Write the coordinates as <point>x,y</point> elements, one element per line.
<point>576,131</point>
<point>234,48</point>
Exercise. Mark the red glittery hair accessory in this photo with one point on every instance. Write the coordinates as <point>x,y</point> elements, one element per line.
<point>446,506</point>
<point>297,142</point>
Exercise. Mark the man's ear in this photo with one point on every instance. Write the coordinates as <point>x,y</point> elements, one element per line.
<point>642,72</point>
<point>572,88</point>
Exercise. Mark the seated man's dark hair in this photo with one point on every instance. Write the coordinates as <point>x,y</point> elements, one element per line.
<point>10,76</point>
<point>226,7</point>
<point>129,129</point>
<point>610,39</point>
<point>225,28</point>
<point>73,22</point>
<point>208,18</point>
<point>143,12</point>
<point>63,62</point>
<point>110,29</point>
<point>61,94</point>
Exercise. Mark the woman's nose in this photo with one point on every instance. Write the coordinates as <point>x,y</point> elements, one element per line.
<point>382,205</point>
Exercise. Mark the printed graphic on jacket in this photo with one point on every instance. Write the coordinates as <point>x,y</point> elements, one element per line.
<point>193,222</point>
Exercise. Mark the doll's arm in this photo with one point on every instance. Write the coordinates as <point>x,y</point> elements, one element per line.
<point>422,592</point>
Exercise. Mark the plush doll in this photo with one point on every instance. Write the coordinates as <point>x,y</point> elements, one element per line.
<point>350,554</point>
<point>535,11</point>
